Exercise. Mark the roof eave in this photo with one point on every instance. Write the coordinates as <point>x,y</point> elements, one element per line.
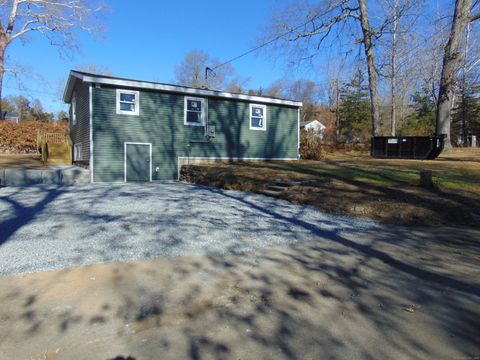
<point>67,93</point>
<point>171,88</point>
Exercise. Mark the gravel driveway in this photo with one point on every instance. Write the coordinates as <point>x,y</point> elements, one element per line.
<point>45,227</point>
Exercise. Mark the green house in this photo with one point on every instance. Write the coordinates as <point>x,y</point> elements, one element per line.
<point>130,130</point>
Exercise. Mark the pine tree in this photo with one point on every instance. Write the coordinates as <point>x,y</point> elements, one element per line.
<point>355,115</point>
<point>422,121</point>
<point>466,113</point>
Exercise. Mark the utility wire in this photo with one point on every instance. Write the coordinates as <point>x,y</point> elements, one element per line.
<point>267,42</point>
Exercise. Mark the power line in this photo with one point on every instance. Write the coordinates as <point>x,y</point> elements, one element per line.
<point>278,37</point>
<point>31,91</point>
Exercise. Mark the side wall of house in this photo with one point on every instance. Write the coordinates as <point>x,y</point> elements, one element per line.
<point>80,132</point>
<point>161,123</point>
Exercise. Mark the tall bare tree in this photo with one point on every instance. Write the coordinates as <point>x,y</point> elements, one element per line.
<point>393,65</point>
<point>451,61</point>
<point>372,71</point>
<point>401,19</point>
<point>331,18</point>
<point>57,20</point>
<point>191,71</point>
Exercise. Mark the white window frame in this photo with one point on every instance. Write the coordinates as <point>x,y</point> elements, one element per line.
<point>264,127</point>
<point>137,102</point>
<point>74,109</point>
<point>77,152</point>
<point>202,115</point>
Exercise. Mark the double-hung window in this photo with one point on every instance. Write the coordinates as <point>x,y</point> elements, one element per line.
<point>128,102</point>
<point>194,111</point>
<point>77,152</point>
<point>258,117</point>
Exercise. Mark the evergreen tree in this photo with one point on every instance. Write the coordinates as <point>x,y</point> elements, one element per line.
<point>422,121</point>
<point>355,112</point>
<point>466,113</point>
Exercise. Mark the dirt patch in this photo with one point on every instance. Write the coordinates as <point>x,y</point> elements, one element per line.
<point>386,190</point>
<point>335,297</point>
<point>24,161</point>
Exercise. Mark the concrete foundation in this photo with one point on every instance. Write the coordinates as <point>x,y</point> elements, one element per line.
<point>62,175</point>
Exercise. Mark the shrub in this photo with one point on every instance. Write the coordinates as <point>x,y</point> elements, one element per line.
<point>311,147</point>
<point>22,137</point>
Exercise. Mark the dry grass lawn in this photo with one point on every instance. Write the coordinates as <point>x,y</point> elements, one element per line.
<point>355,184</point>
<point>24,161</point>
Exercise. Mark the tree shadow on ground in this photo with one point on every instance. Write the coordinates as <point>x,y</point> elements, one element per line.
<point>388,293</point>
<point>340,186</point>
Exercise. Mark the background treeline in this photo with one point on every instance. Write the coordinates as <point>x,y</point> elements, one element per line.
<point>30,110</point>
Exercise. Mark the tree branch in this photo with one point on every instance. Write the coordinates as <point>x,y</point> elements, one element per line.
<point>12,17</point>
<point>475,17</point>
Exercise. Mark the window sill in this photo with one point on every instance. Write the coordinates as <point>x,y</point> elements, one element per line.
<point>119,112</point>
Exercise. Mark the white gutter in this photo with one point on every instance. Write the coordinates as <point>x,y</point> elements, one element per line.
<point>178,89</point>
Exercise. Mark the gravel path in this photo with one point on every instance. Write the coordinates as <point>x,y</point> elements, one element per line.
<point>45,227</point>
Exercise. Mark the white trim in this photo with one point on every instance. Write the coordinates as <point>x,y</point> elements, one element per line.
<point>173,88</point>
<point>264,125</point>
<point>136,102</point>
<point>298,129</point>
<point>73,108</point>
<point>77,152</point>
<point>125,157</point>
<point>226,158</point>
<point>90,121</point>
<point>202,115</point>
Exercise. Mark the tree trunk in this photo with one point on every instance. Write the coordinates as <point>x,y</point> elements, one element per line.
<point>451,60</point>
<point>394,69</point>
<point>464,88</point>
<point>337,110</point>
<point>372,73</point>
<point>3,44</point>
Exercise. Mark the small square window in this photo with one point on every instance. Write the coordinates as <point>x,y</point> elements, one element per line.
<point>258,117</point>
<point>128,102</point>
<point>194,111</point>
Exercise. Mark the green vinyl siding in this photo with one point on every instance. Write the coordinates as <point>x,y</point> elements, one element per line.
<point>80,132</point>
<point>161,123</point>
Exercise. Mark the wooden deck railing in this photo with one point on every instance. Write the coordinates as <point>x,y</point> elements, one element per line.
<point>44,138</point>
<point>55,138</point>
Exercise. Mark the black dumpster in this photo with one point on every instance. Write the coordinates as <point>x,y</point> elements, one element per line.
<point>407,147</point>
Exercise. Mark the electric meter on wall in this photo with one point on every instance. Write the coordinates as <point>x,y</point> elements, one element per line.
<point>211,131</point>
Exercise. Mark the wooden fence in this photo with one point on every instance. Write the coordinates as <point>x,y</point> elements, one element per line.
<point>45,138</point>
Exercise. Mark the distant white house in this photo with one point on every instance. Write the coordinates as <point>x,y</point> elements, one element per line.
<point>11,116</point>
<point>314,125</point>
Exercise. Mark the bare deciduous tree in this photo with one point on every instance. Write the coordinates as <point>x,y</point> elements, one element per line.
<point>451,61</point>
<point>191,71</point>
<point>57,20</point>
<point>321,20</point>
<point>395,45</point>
<point>95,69</point>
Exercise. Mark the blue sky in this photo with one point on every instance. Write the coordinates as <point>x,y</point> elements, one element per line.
<point>147,39</point>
